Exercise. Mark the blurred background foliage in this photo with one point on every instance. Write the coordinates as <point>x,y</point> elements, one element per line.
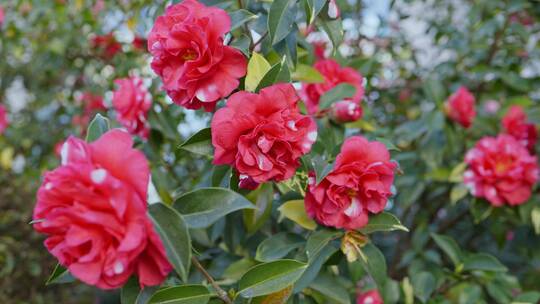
<point>413,54</point>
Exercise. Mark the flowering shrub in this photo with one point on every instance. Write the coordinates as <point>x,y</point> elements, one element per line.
<point>269,152</point>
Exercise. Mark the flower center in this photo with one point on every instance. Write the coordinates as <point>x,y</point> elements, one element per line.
<point>188,54</point>
<point>502,165</point>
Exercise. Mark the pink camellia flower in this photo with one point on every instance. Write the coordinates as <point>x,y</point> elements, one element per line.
<point>92,103</point>
<point>106,45</point>
<point>360,183</point>
<point>346,111</point>
<point>186,43</point>
<point>515,124</point>
<point>4,122</point>
<point>369,297</point>
<point>500,170</point>
<point>333,75</point>
<point>319,49</point>
<point>460,107</point>
<point>131,101</point>
<point>262,135</point>
<point>2,14</point>
<point>93,210</point>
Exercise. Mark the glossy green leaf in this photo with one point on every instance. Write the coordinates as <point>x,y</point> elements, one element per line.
<point>270,277</point>
<point>262,199</point>
<point>449,247</point>
<point>374,263</point>
<point>280,19</point>
<point>383,221</point>
<point>318,240</point>
<point>202,207</point>
<point>236,270</point>
<point>313,8</point>
<point>278,246</point>
<point>97,127</point>
<point>483,261</point>
<point>239,17</point>
<point>535,219</point>
<point>334,29</point>
<point>458,192</point>
<point>424,285</point>
<point>296,212</point>
<point>274,75</point>
<point>307,74</point>
<point>256,69</point>
<point>329,286</point>
<point>175,236</point>
<point>132,294</point>
<point>199,143</point>
<point>314,267</point>
<point>337,93</point>
<point>185,294</point>
<point>60,275</point>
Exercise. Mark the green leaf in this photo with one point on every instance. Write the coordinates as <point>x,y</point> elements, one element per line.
<point>296,212</point>
<point>236,270</point>
<point>449,247</point>
<point>337,93</point>
<point>278,246</point>
<point>307,74</point>
<point>202,207</point>
<point>535,218</point>
<point>185,294</point>
<point>318,240</point>
<point>334,29</point>
<point>97,127</point>
<point>330,288</point>
<point>132,294</point>
<point>458,192</point>
<point>262,199</point>
<point>280,19</point>
<point>383,221</point>
<point>529,297</point>
<point>424,285</point>
<point>434,90</point>
<point>483,261</point>
<point>257,68</point>
<point>221,176</point>
<point>270,277</point>
<point>313,8</point>
<point>374,263</point>
<point>456,175</point>
<point>279,69</point>
<point>389,145</point>
<point>321,167</point>
<point>175,236</point>
<point>199,143</point>
<point>408,291</point>
<point>314,267</point>
<point>60,275</point>
<point>239,17</point>
<point>242,43</point>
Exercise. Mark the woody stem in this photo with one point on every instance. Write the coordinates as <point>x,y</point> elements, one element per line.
<point>222,294</point>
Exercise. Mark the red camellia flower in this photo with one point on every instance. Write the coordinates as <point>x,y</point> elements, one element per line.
<point>91,104</point>
<point>3,119</point>
<point>1,15</point>
<point>369,297</point>
<point>131,101</point>
<point>360,182</point>
<point>346,111</point>
<point>333,75</point>
<point>106,45</point>
<point>262,135</point>
<point>93,210</point>
<point>500,170</point>
<point>460,107</point>
<point>197,70</point>
<point>515,124</point>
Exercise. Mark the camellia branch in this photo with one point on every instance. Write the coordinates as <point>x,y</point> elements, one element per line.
<point>222,294</point>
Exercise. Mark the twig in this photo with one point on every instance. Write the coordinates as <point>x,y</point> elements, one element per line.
<point>258,41</point>
<point>222,294</point>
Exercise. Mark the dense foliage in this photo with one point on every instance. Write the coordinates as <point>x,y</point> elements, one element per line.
<point>400,165</point>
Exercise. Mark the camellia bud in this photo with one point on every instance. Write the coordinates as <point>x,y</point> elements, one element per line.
<point>246,182</point>
<point>346,111</point>
<point>351,243</point>
<point>333,9</point>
